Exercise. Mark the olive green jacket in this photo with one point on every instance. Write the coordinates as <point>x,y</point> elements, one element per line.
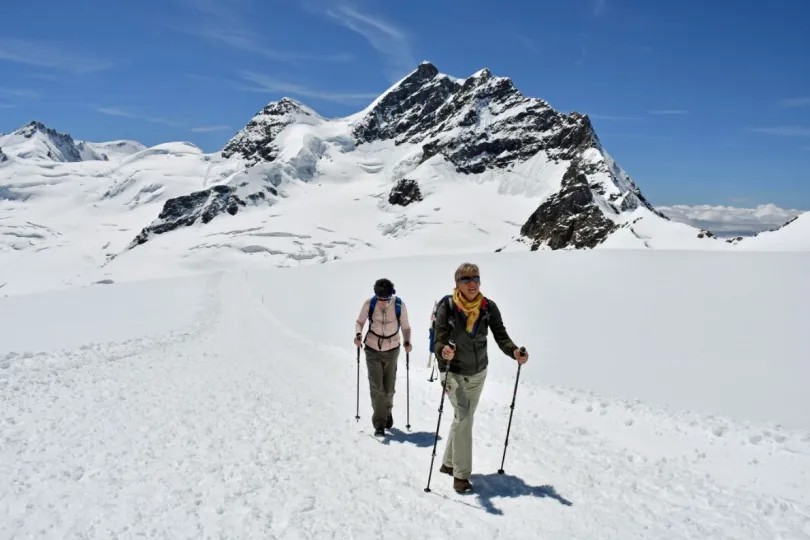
<point>471,348</point>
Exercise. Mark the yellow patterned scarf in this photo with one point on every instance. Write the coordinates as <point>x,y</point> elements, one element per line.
<point>470,309</point>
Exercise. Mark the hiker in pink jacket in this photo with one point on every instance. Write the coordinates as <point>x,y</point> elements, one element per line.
<point>382,346</point>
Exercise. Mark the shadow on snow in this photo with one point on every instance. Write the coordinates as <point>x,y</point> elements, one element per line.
<point>491,486</point>
<point>422,439</point>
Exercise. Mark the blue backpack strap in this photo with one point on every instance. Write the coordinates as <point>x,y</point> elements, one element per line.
<point>398,309</point>
<point>371,307</point>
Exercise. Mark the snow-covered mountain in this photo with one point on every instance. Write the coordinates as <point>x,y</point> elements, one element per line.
<point>436,164</point>
<point>110,150</point>
<point>37,142</point>
<point>427,127</point>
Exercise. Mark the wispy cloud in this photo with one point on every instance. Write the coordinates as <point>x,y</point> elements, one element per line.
<point>18,93</point>
<point>246,40</point>
<point>599,7</point>
<point>796,102</point>
<point>389,40</point>
<point>209,129</point>
<point>614,117</point>
<point>116,111</point>
<point>266,83</point>
<point>669,112</point>
<point>637,136</point>
<point>527,43</point>
<point>783,131</point>
<point>227,23</point>
<point>51,55</point>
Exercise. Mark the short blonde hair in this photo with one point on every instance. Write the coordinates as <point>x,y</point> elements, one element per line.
<point>466,269</point>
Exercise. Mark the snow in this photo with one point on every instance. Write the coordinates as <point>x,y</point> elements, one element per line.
<point>222,405</point>
<point>111,150</point>
<point>794,236</point>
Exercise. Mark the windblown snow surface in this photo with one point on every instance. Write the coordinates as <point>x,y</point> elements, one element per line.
<point>664,398</point>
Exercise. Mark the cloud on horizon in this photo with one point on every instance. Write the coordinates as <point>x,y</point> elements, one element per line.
<point>731,220</point>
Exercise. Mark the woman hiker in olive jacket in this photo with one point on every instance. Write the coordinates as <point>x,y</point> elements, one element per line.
<point>465,324</point>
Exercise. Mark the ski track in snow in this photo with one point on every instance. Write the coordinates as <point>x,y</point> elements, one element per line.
<point>238,427</point>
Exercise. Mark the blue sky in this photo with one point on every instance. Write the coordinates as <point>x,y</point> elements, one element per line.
<point>701,101</point>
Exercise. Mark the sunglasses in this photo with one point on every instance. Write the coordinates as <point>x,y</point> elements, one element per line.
<point>466,279</point>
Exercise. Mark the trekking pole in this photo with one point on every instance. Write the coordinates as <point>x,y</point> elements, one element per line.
<point>408,388</point>
<point>438,423</point>
<point>357,414</point>
<point>432,365</point>
<point>511,412</point>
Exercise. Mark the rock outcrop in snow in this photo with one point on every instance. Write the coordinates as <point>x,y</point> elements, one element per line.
<point>570,217</point>
<point>405,192</point>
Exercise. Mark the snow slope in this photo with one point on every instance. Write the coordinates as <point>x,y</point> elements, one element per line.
<point>209,407</point>
<point>792,236</point>
<point>110,150</point>
<point>61,222</point>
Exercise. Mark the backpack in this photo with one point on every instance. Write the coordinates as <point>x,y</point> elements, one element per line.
<point>397,310</point>
<point>449,299</point>
<point>432,331</point>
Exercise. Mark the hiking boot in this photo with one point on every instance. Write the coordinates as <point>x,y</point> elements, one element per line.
<point>379,432</point>
<point>462,486</point>
<point>446,470</point>
<point>389,423</point>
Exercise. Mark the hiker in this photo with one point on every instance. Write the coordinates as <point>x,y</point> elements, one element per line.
<point>462,320</point>
<point>386,315</point>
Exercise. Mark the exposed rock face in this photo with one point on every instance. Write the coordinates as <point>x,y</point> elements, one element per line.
<point>484,122</point>
<point>204,206</point>
<point>405,192</point>
<point>61,146</point>
<point>186,210</point>
<point>249,188</point>
<point>570,218</point>
<point>3,157</point>
<point>408,108</point>
<point>256,142</point>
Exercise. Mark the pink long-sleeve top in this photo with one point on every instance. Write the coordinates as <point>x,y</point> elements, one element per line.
<point>383,323</point>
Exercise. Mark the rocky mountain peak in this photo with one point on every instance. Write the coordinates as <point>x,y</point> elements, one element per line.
<point>255,142</point>
<point>54,145</point>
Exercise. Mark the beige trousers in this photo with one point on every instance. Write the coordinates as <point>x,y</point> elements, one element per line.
<point>463,393</point>
<point>382,381</point>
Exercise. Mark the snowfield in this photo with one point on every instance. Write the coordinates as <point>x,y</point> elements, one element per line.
<point>664,398</point>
